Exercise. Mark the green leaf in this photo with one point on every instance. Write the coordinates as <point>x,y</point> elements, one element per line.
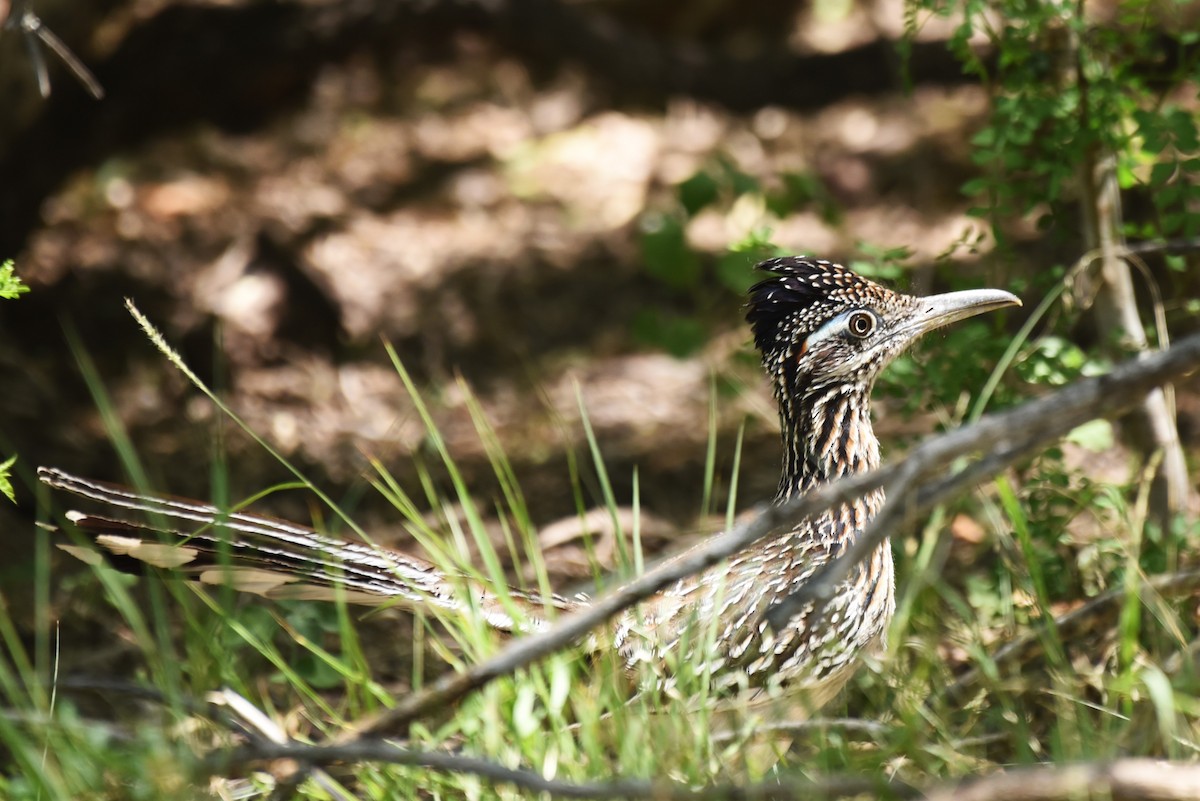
<point>5,475</point>
<point>741,182</point>
<point>666,253</point>
<point>975,187</point>
<point>757,242</point>
<point>1161,173</point>
<point>736,270</point>
<point>1183,127</point>
<point>679,336</point>
<point>524,720</point>
<point>985,138</point>
<point>1162,696</point>
<point>697,192</point>
<point>560,686</point>
<point>1095,436</point>
<point>317,672</point>
<point>1125,175</point>
<point>1173,222</point>
<point>10,284</point>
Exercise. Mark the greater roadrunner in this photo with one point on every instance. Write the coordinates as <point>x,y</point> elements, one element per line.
<point>825,334</point>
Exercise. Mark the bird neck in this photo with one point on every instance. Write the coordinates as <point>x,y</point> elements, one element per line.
<point>827,434</point>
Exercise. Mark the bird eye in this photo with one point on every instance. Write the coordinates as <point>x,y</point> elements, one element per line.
<point>861,324</point>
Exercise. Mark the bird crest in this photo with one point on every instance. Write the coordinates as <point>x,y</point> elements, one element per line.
<point>798,299</point>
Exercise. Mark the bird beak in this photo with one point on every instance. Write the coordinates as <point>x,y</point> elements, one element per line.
<point>936,311</point>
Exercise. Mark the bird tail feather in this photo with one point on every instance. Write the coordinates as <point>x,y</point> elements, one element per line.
<point>278,559</point>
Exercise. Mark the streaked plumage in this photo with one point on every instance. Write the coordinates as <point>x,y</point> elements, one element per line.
<point>824,333</point>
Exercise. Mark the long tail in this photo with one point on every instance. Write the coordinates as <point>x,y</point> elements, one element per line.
<point>277,559</point>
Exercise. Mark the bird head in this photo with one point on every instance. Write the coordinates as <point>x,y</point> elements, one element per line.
<point>818,323</point>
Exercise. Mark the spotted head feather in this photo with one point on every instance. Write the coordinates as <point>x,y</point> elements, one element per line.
<point>807,302</point>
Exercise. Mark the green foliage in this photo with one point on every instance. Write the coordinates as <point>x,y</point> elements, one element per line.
<point>687,277</point>
<point>666,254</point>
<point>678,334</point>
<point>6,478</point>
<point>1096,436</point>
<point>10,288</point>
<point>1068,93</point>
<point>736,268</point>
<point>10,284</point>
<point>880,264</point>
<point>1170,145</point>
<point>804,190</point>
<point>1056,361</point>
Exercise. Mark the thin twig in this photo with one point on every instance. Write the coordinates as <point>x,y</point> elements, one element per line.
<point>35,27</point>
<point>1071,624</point>
<point>104,686</point>
<point>1043,420</point>
<point>33,30</point>
<point>659,790</point>
<point>870,728</point>
<point>254,719</point>
<point>1170,247</point>
<point>37,722</point>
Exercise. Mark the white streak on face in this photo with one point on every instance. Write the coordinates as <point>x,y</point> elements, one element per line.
<point>833,328</point>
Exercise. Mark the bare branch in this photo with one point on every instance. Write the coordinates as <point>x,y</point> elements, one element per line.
<point>1125,779</point>
<point>1007,435</point>
<point>910,500</point>
<point>658,790</point>
<point>1121,780</point>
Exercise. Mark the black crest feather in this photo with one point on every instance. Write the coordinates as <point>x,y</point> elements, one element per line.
<point>797,291</point>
